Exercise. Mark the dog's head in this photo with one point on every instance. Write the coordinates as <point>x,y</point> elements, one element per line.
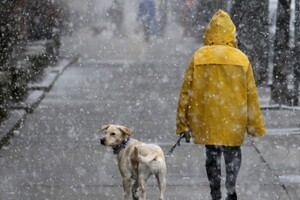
<point>114,134</point>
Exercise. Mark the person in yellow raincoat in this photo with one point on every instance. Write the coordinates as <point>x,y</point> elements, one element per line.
<point>218,103</point>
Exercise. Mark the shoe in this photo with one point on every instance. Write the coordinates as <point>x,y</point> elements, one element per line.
<point>232,196</point>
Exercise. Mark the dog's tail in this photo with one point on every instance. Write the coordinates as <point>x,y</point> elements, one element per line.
<point>145,159</point>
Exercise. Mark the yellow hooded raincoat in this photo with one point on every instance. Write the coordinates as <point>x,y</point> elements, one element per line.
<point>218,99</point>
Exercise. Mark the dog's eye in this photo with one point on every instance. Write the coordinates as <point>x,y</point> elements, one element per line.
<point>113,134</point>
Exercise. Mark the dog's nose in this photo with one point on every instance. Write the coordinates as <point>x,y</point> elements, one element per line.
<point>102,141</point>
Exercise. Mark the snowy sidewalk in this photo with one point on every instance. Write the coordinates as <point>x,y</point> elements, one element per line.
<point>56,154</point>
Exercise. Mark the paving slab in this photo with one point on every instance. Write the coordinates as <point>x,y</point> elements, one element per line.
<point>293,190</point>
<point>282,153</point>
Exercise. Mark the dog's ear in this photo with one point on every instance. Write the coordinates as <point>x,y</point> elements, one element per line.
<point>104,127</point>
<point>125,130</point>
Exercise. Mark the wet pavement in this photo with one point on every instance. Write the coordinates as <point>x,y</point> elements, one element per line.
<point>56,154</point>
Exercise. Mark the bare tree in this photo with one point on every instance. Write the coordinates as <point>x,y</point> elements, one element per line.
<point>282,53</point>
<point>251,20</point>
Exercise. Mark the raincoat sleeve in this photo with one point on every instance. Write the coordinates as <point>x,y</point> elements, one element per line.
<point>183,103</point>
<point>255,126</point>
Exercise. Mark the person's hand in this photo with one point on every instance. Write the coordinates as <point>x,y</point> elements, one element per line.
<point>187,136</point>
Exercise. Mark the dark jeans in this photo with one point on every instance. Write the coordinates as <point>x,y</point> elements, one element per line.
<point>233,160</point>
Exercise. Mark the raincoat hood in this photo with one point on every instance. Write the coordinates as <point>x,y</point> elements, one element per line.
<point>220,30</point>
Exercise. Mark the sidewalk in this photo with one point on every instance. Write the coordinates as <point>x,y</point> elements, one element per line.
<point>18,111</point>
<point>56,154</point>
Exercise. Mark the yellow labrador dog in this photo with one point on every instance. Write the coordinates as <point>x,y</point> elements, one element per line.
<point>136,160</point>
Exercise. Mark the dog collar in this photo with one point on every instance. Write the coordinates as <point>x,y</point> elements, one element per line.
<point>121,146</point>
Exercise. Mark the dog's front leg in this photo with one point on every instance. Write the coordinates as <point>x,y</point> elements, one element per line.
<point>127,187</point>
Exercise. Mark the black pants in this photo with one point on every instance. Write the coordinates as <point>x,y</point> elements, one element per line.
<point>233,159</point>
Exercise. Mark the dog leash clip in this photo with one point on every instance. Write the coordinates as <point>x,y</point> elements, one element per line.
<point>174,146</point>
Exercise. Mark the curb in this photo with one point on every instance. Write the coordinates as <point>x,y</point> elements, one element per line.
<point>14,119</point>
<point>32,100</point>
<point>18,111</point>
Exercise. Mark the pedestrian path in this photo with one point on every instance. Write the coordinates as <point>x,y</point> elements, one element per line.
<point>55,154</point>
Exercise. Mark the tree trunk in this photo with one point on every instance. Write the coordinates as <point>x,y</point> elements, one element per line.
<point>251,20</point>
<point>279,90</point>
<point>204,11</point>
<point>296,56</point>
